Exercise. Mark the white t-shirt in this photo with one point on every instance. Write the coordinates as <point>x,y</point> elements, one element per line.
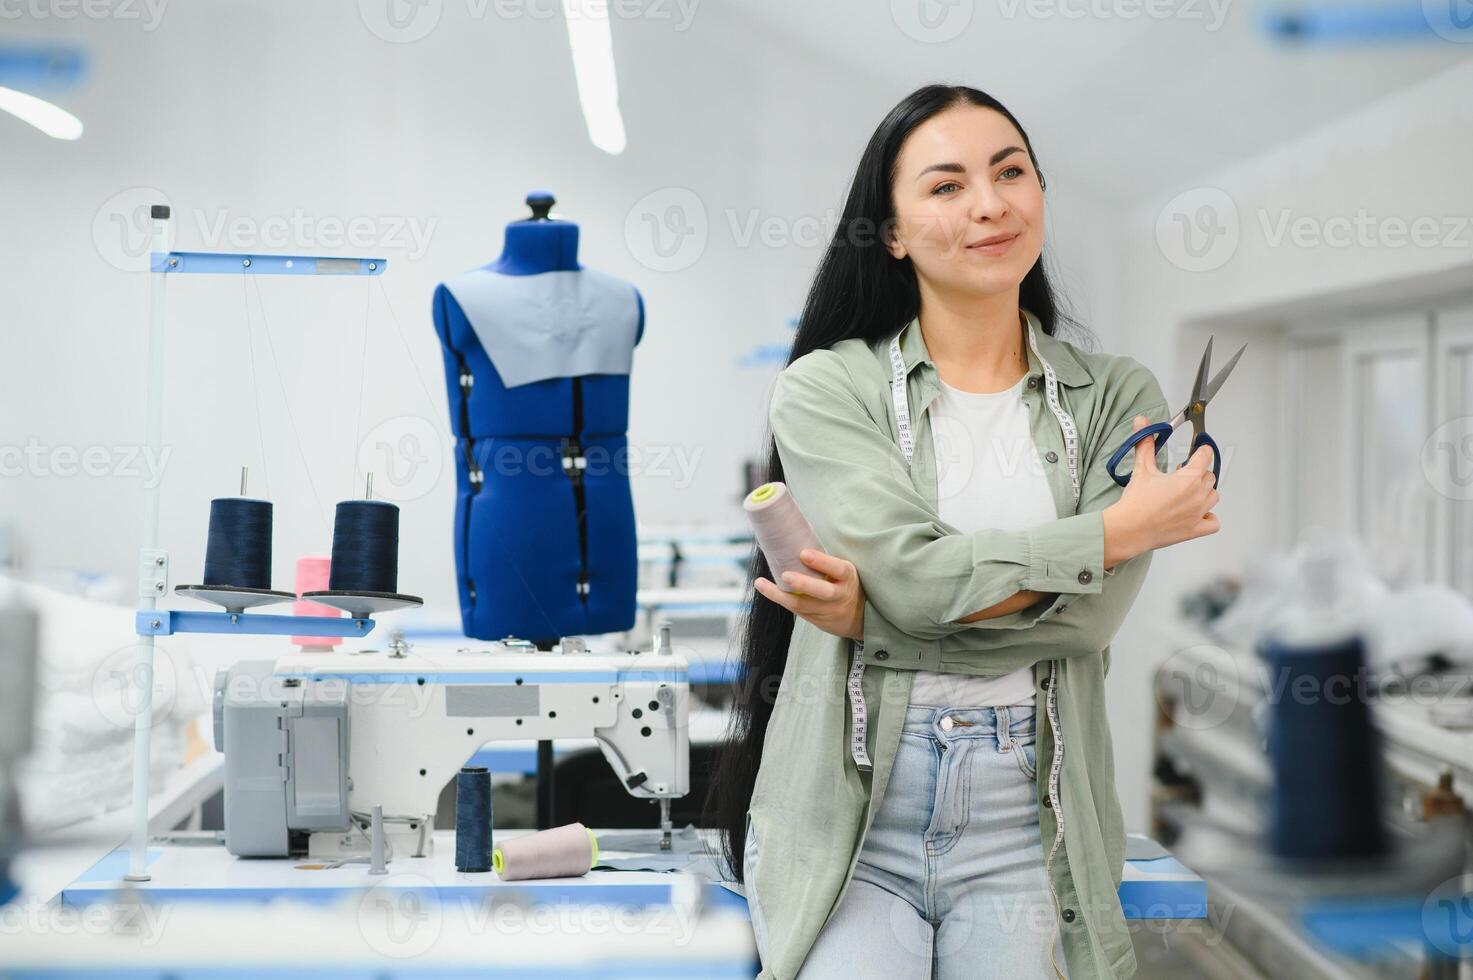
<point>988,475</point>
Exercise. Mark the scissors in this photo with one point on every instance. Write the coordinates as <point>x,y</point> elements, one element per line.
<point>1196,410</point>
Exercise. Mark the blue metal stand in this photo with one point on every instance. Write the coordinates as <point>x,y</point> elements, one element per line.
<point>166,622</point>
<point>151,621</point>
<point>243,264</point>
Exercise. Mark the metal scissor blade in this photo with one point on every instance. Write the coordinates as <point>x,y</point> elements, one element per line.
<point>1201,381</point>
<point>1221,376</point>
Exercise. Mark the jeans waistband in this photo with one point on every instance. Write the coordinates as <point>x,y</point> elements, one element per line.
<point>952,722</point>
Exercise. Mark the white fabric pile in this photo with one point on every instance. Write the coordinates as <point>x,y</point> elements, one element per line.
<point>82,762</point>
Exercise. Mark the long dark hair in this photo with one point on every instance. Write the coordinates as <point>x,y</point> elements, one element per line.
<point>860,290</point>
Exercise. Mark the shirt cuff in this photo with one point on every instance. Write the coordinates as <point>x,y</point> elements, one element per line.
<point>886,646</point>
<point>1067,556</point>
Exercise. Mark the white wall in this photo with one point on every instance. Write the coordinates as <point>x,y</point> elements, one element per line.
<point>239,114</point>
<point>1402,157</point>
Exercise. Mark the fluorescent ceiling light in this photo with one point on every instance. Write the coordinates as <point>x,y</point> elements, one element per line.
<point>593,65</point>
<point>49,119</point>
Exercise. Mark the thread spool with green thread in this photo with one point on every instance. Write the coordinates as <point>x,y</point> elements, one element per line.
<point>782,531</point>
<point>553,853</point>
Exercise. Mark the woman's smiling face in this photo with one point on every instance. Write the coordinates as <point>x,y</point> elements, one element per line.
<point>964,178</point>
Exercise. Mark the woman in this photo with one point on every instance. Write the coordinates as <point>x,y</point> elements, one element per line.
<point>891,804</point>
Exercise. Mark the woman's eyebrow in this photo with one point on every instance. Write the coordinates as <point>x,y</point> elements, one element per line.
<point>956,168</point>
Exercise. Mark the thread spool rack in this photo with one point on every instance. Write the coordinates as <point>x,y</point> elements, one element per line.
<point>153,579</point>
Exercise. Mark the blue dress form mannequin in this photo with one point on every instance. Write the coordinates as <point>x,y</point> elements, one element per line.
<point>537,356</point>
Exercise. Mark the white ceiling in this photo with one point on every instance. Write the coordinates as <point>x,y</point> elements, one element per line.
<point>1129,108</point>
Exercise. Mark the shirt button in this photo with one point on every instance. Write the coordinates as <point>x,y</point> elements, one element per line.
<point>882,654</point>
<point>1048,801</point>
<point>1085,577</point>
<point>1051,456</point>
<point>946,723</point>
<point>1068,915</point>
<point>1043,683</point>
<point>1032,381</point>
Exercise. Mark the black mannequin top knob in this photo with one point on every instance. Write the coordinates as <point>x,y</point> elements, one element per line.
<point>541,203</point>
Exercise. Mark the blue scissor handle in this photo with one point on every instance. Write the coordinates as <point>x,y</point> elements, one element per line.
<point>1162,431</point>
<point>1204,439</point>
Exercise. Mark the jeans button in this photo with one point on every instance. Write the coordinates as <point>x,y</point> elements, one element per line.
<point>946,724</point>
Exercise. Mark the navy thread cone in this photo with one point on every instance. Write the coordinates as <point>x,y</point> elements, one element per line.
<point>238,545</point>
<point>473,819</point>
<point>1323,751</point>
<point>365,547</point>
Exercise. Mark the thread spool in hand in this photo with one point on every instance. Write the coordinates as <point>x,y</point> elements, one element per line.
<point>562,852</point>
<point>473,819</point>
<point>782,530</point>
<point>238,548</point>
<point>365,547</point>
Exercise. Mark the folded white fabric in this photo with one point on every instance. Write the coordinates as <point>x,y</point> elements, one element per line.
<point>81,761</point>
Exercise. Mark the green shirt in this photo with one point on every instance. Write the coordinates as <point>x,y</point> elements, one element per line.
<point>834,423</point>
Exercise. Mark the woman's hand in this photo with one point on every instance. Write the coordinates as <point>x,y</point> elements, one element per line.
<point>1159,509</point>
<point>833,603</point>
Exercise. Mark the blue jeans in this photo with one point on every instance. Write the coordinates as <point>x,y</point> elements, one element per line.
<point>950,881</point>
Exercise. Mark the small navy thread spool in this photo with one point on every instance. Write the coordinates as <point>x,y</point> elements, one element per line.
<point>238,546</point>
<point>365,547</point>
<point>1323,750</point>
<point>473,819</point>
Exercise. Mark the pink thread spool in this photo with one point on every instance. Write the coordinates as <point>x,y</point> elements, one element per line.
<point>312,573</point>
<point>782,530</point>
<point>562,852</point>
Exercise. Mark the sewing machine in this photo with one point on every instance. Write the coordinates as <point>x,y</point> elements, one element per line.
<point>314,741</point>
